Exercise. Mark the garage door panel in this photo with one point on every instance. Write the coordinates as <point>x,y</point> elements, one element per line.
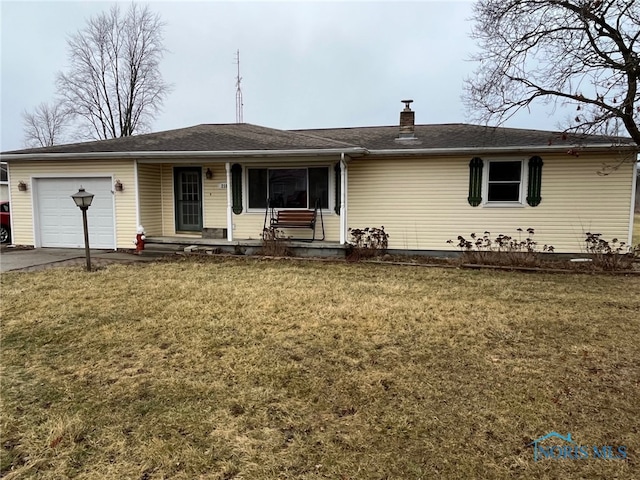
<point>60,220</point>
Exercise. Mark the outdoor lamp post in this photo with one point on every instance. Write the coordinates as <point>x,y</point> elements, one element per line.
<point>83,201</point>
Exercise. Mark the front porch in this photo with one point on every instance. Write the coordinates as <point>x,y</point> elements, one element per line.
<point>223,203</point>
<point>172,244</point>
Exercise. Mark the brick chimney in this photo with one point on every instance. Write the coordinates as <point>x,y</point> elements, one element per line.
<point>407,121</point>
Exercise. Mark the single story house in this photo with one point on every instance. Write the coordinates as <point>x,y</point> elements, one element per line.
<point>425,184</point>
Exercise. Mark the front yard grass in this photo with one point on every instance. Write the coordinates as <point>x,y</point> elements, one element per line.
<point>254,369</point>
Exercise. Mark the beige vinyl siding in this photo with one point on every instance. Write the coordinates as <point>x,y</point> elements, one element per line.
<point>150,198</point>
<point>168,205</point>
<point>422,203</point>
<point>22,202</point>
<point>214,197</point>
<point>21,205</point>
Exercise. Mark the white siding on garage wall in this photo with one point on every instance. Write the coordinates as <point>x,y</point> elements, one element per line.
<point>422,203</point>
<point>22,202</point>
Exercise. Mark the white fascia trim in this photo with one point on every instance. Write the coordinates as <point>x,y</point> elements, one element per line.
<point>531,149</point>
<point>150,157</point>
<point>186,155</point>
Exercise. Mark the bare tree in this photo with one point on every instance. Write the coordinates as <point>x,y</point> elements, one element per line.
<point>46,125</point>
<point>113,83</point>
<point>577,53</point>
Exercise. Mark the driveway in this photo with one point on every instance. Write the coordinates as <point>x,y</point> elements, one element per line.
<point>12,259</point>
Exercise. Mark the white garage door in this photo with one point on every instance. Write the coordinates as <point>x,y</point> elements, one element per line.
<point>59,220</point>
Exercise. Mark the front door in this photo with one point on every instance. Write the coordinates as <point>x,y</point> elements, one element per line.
<point>188,195</point>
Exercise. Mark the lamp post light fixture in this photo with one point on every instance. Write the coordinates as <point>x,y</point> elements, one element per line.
<point>83,200</point>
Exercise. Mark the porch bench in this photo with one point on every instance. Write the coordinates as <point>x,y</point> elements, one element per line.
<point>294,219</point>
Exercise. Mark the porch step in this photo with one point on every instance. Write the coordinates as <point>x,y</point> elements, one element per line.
<point>161,248</point>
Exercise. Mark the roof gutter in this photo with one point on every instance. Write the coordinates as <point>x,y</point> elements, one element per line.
<point>351,152</point>
<point>172,155</point>
<point>498,150</point>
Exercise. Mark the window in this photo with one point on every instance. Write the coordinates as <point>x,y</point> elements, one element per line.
<point>505,179</point>
<point>506,182</point>
<point>288,187</point>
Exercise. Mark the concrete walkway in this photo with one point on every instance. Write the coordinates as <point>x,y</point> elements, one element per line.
<point>13,259</point>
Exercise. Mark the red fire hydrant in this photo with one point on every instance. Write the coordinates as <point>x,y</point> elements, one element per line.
<point>139,241</point>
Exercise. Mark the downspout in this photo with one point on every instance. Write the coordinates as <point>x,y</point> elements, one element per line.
<point>343,200</point>
<point>229,204</point>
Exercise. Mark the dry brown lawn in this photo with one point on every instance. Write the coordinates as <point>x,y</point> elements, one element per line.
<point>256,369</point>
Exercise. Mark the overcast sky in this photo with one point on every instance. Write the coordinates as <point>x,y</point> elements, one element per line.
<point>303,64</point>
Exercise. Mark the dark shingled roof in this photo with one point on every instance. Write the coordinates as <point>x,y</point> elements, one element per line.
<point>457,135</point>
<point>201,138</point>
<point>247,137</point>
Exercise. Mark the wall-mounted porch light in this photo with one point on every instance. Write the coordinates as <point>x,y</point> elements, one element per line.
<point>118,186</point>
<point>22,186</point>
<point>209,174</point>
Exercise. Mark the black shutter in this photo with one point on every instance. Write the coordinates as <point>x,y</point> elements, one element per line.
<point>236,186</point>
<point>535,181</point>
<point>475,182</point>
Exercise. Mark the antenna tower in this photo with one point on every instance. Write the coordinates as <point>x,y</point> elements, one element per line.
<point>239,103</point>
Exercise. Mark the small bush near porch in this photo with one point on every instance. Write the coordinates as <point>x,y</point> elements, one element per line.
<point>282,369</point>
